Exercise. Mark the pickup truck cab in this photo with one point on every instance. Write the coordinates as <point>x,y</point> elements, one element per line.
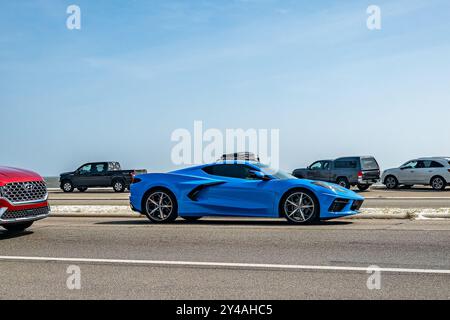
<point>23,198</point>
<point>98,175</point>
<point>346,171</point>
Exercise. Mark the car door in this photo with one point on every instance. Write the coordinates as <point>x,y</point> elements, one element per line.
<point>239,194</point>
<point>314,171</point>
<point>432,168</point>
<point>98,176</point>
<point>407,173</point>
<point>324,174</point>
<point>81,176</point>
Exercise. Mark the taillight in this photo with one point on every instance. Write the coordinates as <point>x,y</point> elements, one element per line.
<point>360,174</point>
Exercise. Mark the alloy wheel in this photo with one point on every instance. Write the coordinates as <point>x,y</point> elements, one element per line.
<point>159,206</point>
<point>391,182</point>
<point>299,207</point>
<point>437,184</point>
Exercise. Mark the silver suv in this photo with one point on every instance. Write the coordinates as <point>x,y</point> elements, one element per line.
<point>423,171</point>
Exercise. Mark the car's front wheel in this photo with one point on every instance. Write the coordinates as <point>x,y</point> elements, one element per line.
<point>438,183</point>
<point>17,227</point>
<point>300,207</point>
<point>67,186</point>
<point>161,206</point>
<point>391,182</point>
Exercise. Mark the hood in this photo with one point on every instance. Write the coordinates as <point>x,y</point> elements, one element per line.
<point>67,173</point>
<point>8,175</point>
<point>326,187</point>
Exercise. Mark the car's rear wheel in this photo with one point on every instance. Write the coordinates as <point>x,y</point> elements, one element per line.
<point>161,206</point>
<point>67,186</point>
<point>17,227</point>
<point>438,183</point>
<point>363,187</point>
<point>300,207</point>
<point>84,189</point>
<point>343,182</point>
<point>391,182</point>
<point>118,186</point>
<point>191,219</point>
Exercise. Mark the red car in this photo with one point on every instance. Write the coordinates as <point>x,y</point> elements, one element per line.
<point>23,198</point>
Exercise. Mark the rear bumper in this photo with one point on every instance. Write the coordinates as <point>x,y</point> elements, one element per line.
<point>368,181</point>
<point>25,213</point>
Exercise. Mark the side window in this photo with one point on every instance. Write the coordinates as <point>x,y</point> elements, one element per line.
<point>327,165</point>
<point>435,164</point>
<point>345,164</point>
<point>410,165</point>
<point>316,166</point>
<point>85,169</point>
<point>99,168</point>
<point>229,170</point>
<point>420,165</point>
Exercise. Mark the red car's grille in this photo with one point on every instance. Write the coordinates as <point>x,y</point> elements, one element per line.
<point>22,192</point>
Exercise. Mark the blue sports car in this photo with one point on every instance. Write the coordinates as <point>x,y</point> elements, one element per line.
<point>239,188</point>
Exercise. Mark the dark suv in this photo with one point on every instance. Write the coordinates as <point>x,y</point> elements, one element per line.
<point>98,174</point>
<point>346,171</point>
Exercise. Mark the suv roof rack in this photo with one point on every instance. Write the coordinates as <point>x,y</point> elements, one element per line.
<point>247,156</point>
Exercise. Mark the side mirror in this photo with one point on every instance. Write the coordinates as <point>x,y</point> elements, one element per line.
<point>258,175</point>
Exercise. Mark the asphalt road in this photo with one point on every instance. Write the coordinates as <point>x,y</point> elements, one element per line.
<point>227,259</point>
<point>375,198</point>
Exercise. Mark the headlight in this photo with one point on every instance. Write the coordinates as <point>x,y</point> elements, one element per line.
<point>334,188</point>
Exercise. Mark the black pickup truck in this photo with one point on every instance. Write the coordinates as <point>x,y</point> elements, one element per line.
<point>98,175</point>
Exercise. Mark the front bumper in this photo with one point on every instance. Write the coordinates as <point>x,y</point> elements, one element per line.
<point>336,206</point>
<point>10,215</point>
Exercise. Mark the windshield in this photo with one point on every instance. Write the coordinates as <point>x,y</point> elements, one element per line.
<point>276,173</point>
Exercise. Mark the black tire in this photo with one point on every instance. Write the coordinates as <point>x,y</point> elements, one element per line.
<point>118,185</point>
<point>438,183</point>
<point>288,210</point>
<point>191,219</point>
<point>18,227</point>
<point>343,182</point>
<point>84,189</point>
<point>67,186</point>
<point>363,187</point>
<point>152,209</point>
<point>391,182</point>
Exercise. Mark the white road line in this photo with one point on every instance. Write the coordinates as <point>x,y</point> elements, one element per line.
<point>220,264</point>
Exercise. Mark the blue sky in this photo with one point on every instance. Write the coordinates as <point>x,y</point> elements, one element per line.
<point>137,70</point>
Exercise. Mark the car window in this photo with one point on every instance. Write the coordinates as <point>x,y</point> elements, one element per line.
<point>369,164</point>
<point>98,168</point>
<point>345,164</point>
<point>420,165</point>
<point>411,164</point>
<point>239,171</point>
<point>326,165</point>
<point>435,164</point>
<point>316,166</point>
<point>85,169</point>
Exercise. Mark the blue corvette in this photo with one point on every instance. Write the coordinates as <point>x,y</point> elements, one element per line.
<point>239,188</point>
